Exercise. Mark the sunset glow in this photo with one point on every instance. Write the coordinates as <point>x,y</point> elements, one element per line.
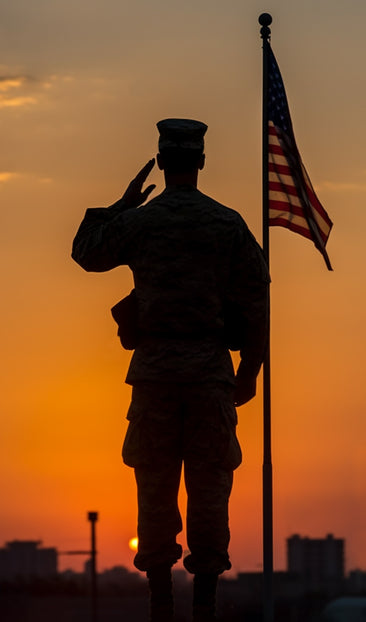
<point>133,544</point>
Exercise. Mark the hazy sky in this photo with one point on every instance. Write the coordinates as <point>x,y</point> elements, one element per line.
<point>82,85</point>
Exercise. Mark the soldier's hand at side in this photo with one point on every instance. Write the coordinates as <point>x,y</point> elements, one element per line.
<point>245,386</point>
<point>244,393</point>
<point>134,195</point>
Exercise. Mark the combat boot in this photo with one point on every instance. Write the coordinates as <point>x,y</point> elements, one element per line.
<point>204,597</point>
<point>161,593</point>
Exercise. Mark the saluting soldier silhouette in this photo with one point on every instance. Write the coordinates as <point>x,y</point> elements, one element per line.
<point>201,288</point>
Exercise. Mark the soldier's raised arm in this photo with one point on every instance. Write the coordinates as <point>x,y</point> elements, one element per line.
<point>101,241</point>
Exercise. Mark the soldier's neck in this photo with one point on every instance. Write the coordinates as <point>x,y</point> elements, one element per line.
<point>181,179</point>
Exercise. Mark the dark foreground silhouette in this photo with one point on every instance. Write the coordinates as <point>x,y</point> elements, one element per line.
<point>68,600</point>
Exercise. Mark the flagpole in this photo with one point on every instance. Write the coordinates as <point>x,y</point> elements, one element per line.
<point>265,20</point>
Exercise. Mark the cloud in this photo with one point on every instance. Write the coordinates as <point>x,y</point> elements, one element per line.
<point>14,91</point>
<point>6,176</point>
<point>16,81</point>
<point>10,83</point>
<point>16,102</point>
<point>21,91</point>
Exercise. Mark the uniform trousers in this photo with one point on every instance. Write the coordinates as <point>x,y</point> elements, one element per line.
<point>189,425</point>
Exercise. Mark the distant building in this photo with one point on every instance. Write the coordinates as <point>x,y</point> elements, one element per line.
<point>319,562</point>
<point>120,579</point>
<point>25,559</point>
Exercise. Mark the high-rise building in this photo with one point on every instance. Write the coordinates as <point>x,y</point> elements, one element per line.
<point>25,559</point>
<point>318,561</point>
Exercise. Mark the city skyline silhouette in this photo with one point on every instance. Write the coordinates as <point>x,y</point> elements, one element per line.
<point>313,583</point>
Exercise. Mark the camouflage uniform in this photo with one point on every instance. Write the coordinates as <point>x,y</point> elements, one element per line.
<point>190,256</point>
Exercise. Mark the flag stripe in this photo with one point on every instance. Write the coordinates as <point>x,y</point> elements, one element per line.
<point>276,149</point>
<point>292,201</point>
<point>284,169</point>
<point>285,222</point>
<point>280,186</point>
<point>281,203</point>
<point>320,214</point>
<point>281,180</point>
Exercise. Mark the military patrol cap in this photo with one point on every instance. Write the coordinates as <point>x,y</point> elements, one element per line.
<point>181,134</point>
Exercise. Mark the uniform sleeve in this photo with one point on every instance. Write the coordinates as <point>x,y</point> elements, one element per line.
<point>104,238</point>
<point>249,294</point>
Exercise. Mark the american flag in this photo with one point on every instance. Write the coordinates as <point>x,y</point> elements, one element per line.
<point>292,200</point>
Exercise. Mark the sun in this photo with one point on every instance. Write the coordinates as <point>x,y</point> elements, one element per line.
<point>133,543</point>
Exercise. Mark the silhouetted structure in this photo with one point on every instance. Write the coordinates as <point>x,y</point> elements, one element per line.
<point>92,518</point>
<point>123,595</point>
<point>25,559</point>
<point>319,562</point>
<point>356,582</point>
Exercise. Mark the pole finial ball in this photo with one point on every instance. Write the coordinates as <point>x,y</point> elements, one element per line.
<point>265,19</point>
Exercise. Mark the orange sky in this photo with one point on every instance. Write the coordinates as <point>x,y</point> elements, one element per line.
<point>82,85</point>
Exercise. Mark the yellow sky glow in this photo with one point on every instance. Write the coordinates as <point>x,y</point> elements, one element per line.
<point>10,83</point>
<point>15,102</point>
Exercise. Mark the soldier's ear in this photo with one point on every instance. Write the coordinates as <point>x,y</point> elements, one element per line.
<point>159,161</point>
<point>201,162</point>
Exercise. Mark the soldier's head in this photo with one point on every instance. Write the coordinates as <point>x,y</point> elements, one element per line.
<point>181,146</point>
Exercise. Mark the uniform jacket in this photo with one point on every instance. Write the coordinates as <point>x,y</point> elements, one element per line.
<point>195,266</point>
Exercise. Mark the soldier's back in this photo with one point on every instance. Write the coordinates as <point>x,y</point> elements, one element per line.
<point>181,261</point>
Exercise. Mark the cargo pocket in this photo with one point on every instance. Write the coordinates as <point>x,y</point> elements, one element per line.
<point>210,432</point>
<point>230,450</point>
<point>133,450</point>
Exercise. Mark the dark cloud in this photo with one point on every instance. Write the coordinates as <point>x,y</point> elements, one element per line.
<point>14,80</point>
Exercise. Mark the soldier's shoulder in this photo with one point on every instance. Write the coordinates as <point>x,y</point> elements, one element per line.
<point>145,212</point>
<point>157,200</point>
<point>222,210</point>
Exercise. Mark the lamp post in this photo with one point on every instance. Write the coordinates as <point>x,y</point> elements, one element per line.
<point>93,517</point>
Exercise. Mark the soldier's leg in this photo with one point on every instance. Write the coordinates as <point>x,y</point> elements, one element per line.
<point>161,593</point>
<point>211,454</point>
<point>208,535</point>
<point>204,597</point>
<point>159,520</point>
<point>153,447</point>
<point>208,532</point>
